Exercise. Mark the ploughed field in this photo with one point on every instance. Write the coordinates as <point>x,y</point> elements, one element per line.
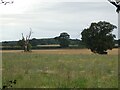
<point>60,68</point>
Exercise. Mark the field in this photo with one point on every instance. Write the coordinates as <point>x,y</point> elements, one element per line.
<point>64,68</point>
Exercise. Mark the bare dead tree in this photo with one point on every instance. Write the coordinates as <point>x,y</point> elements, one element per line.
<point>26,43</point>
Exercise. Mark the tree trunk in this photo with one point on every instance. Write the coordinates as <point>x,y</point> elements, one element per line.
<point>25,48</point>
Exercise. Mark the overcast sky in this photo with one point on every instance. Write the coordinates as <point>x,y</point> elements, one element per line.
<point>49,18</point>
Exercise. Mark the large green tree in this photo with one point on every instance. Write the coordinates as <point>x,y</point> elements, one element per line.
<point>64,39</point>
<point>98,37</point>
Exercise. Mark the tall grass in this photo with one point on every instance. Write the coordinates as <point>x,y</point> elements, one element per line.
<point>34,70</point>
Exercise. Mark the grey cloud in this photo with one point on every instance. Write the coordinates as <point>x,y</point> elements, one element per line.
<point>53,18</point>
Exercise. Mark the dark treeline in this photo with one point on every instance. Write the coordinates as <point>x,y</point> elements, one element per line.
<point>48,43</point>
<point>35,42</point>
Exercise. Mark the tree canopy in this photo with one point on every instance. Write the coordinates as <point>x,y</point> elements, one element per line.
<point>63,39</point>
<point>98,37</point>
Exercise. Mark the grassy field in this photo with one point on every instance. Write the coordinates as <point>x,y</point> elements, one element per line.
<point>78,68</point>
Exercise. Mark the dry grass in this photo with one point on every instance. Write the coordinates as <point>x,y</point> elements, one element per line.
<point>61,68</point>
<point>61,51</point>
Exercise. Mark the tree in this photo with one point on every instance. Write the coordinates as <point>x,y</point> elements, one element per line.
<point>24,43</point>
<point>63,39</point>
<point>98,37</point>
<point>116,4</point>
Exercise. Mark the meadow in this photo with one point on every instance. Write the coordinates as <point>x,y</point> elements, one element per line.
<point>60,68</point>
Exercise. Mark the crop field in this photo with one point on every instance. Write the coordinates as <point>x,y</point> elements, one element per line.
<point>60,68</point>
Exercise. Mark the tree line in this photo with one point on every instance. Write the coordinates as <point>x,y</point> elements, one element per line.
<point>36,43</point>
<point>97,37</point>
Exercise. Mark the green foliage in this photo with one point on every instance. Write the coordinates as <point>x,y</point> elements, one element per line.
<point>64,39</point>
<point>21,43</point>
<point>45,41</point>
<point>9,43</point>
<point>29,46</point>
<point>98,37</point>
<point>49,43</point>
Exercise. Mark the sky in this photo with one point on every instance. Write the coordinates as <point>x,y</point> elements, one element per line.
<point>49,18</point>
